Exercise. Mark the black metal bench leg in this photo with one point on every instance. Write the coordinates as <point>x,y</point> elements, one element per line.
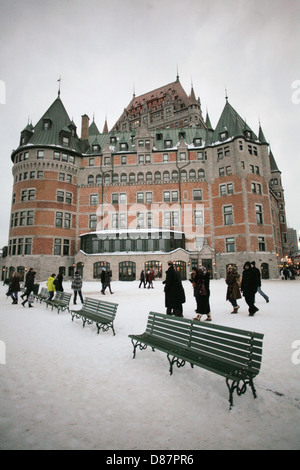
<point>252,388</point>
<point>175,360</point>
<point>136,344</point>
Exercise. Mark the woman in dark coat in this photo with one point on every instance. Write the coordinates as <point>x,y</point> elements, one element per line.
<point>249,287</point>
<point>58,283</point>
<point>233,279</point>
<point>29,289</point>
<point>201,282</point>
<point>14,287</point>
<point>174,292</point>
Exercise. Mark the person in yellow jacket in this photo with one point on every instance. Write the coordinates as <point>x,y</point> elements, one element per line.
<point>51,286</point>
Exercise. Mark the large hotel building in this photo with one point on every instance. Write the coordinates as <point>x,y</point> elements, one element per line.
<point>163,184</point>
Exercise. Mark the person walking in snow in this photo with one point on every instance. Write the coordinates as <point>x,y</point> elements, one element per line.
<point>29,290</point>
<point>142,279</point>
<point>51,286</point>
<point>233,281</point>
<point>249,287</point>
<point>174,292</point>
<point>58,282</point>
<point>201,283</point>
<point>102,279</point>
<point>107,281</point>
<point>76,286</point>
<point>14,287</point>
<point>258,277</point>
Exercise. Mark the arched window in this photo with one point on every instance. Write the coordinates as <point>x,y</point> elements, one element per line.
<point>201,173</point>
<point>183,175</point>
<point>166,176</point>
<point>90,179</point>
<point>97,268</point>
<point>98,179</point>
<point>174,175</point>
<point>123,178</point>
<point>192,174</point>
<point>157,176</point>
<point>115,178</point>
<point>148,176</point>
<point>140,177</point>
<point>127,271</point>
<point>131,177</point>
<point>107,179</point>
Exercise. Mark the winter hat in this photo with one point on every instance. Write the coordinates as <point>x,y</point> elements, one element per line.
<point>247,264</point>
<point>253,262</point>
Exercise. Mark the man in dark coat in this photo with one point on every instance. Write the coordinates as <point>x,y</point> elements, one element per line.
<point>174,292</point>
<point>249,287</point>
<point>258,277</point>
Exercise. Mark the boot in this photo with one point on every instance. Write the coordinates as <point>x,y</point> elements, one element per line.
<point>198,317</point>
<point>208,317</point>
<point>235,310</point>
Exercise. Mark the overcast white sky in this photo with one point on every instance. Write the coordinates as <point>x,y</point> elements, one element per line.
<point>102,49</point>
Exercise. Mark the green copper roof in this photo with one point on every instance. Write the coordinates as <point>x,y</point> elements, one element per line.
<point>232,124</point>
<point>52,126</point>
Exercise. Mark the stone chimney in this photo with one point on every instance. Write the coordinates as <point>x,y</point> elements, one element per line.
<point>85,120</point>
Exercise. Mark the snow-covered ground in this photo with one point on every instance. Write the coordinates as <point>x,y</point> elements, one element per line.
<point>64,387</point>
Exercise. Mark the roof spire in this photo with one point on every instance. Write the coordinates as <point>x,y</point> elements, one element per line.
<point>226,94</point>
<point>133,94</point>
<point>177,76</point>
<point>59,80</point>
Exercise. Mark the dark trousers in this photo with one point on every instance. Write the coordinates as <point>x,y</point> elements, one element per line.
<point>75,296</point>
<point>175,311</point>
<point>250,299</point>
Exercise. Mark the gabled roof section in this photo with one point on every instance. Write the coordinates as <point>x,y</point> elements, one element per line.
<point>54,124</point>
<point>231,125</point>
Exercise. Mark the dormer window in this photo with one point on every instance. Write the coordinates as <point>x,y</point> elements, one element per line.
<point>168,143</point>
<point>223,135</point>
<point>96,148</point>
<point>197,141</point>
<point>46,124</point>
<point>123,146</point>
<point>248,134</point>
<point>113,140</point>
<point>65,141</point>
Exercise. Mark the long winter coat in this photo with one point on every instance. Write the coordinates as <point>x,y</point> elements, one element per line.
<point>58,283</point>
<point>14,285</point>
<point>174,292</point>
<point>233,290</point>
<point>249,282</point>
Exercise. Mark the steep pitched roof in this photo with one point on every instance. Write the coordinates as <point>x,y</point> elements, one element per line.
<point>273,164</point>
<point>58,123</point>
<point>231,123</point>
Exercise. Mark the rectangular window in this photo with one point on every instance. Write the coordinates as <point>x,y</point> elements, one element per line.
<point>228,215</point>
<point>68,198</point>
<point>93,221</point>
<point>40,154</point>
<point>198,217</point>
<point>261,244</point>
<point>174,196</point>
<point>167,196</point>
<point>259,214</point>
<point>28,246</point>
<point>60,196</point>
<point>140,198</point>
<point>197,194</point>
<point>67,222</point>
<point>230,245</point>
<point>94,199</point>
<point>58,219</point>
<point>149,197</point>
<point>56,156</point>
<point>30,217</point>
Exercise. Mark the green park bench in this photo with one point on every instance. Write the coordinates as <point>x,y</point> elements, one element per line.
<point>42,295</point>
<point>232,353</point>
<point>97,311</point>
<point>60,301</point>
